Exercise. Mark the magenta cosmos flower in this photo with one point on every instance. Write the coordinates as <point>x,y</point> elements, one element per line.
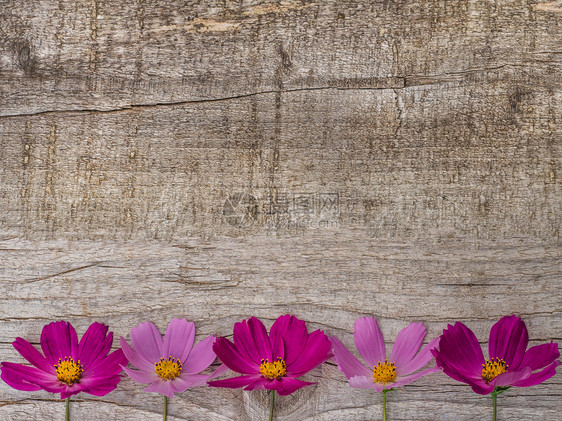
<point>68,367</point>
<point>273,361</point>
<point>382,373</point>
<point>171,365</point>
<point>510,363</point>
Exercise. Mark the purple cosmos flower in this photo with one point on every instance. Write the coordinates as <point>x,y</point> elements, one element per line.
<point>68,367</point>
<point>171,365</point>
<point>510,363</point>
<point>382,373</point>
<point>273,361</point>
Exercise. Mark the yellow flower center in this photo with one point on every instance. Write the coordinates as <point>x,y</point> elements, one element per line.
<point>384,372</point>
<point>493,368</point>
<point>168,368</point>
<point>68,371</point>
<point>273,370</point>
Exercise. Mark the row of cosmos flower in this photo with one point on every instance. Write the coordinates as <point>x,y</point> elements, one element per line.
<point>274,361</point>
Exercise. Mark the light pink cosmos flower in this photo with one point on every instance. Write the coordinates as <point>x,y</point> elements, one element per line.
<point>381,372</point>
<point>171,365</point>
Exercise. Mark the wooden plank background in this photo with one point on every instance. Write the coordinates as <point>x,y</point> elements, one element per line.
<point>221,159</point>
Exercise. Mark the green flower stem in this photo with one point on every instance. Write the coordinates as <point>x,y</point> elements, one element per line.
<point>165,408</point>
<point>67,414</point>
<point>495,393</point>
<point>384,392</point>
<point>271,404</point>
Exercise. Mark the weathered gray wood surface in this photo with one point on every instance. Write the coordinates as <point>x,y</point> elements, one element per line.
<point>400,159</point>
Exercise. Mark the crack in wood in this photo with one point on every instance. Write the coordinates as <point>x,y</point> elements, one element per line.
<point>404,82</point>
<point>29,281</point>
<point>195,101</point>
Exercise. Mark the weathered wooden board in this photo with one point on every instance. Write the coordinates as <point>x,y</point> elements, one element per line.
<point>218,160</point>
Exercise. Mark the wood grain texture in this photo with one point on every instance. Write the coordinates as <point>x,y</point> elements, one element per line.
<point>221,159</point>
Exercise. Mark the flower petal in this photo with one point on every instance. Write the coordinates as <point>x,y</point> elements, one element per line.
<point>261,383</point>
<point>142,376</point>
<point>163,387</point>
<point>235,382</point>
<point>244,342</point>
<point>316,351</point>
<point>59,340</point>
<point>178,339</point>
<point>407,344</point>
<point>401,381</point>
<point>294,340</point>
<point>99,384</point>
<point>508,340</point>
<point>538,377</point>
<point>457,373</point>
<point>94,343</point>
<point>288,336</point>
<point>507,379</point>
<point>103,388</point>
<point>109,365</point>
<point>221,369</point>
<point>369,340</point>
<point>147,341</point>
<point>347,363</point>
<point>200,357</point>
<point>459,350</point>
<point>481,387</point>
<point>456,370</point>
<point>72,390</point>
<point>362,382</point>
<point>419,361</point>
<point>134,357</point>
<point>259,333</point>
<point>23,377</point>
<point>182,383</point>
<point>196,380</point>
<point>286,385</point>
<point>31,354</point>
<point>13,378</point>
<point>276,334</point>
<point>228,353</point>
<point>540,356</point>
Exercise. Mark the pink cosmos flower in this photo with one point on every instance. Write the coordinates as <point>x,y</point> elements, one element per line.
<point>273,361</point>
<point>171,365</point>
<point>382,373</point>
<point>68,367</point>
<point>510,363</point>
